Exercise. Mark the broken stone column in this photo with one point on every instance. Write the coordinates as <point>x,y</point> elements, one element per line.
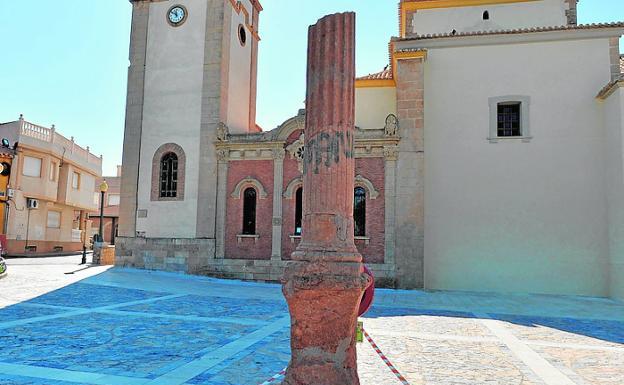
<point>325,281</point>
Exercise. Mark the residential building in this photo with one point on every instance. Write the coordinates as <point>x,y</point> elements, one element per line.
<point>488,152</point>
<point>50,190</point>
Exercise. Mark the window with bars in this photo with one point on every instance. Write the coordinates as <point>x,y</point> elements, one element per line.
<point>169,175</point>
<point>249,211</point>
<point>359,212</point>
<point>508,119</point>
<point>298,210</point>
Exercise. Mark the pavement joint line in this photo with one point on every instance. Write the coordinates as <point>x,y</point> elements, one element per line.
<point>196,367</point>
<point>240,321</point>
<point>458,338</point>
<point>574,346</point>
<point>45,306</point>
<point>433,336</point>
<point>533,360</point>
<point>81,311</point>
<point>68,375</point>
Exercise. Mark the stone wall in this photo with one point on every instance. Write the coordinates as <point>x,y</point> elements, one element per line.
<point>196,256</point>
<point>169,254</point>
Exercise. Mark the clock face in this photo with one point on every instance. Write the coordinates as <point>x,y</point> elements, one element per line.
<point>176,15</point>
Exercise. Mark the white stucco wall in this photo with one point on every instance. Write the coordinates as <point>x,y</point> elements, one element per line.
<point>614,124</point>
<point>373,105</point>
<point>239,73</point>
<point>514,216</point>
<point>171,114</point>
<point>540,13</point>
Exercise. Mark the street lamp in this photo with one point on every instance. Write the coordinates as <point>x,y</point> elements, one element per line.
<point>103,189</point>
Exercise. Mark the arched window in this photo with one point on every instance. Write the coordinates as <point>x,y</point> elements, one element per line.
<point>249,212</point>
<point>486,15</point>
<point>359,211</point>
<point>169,175</point>
<point>298,210</point>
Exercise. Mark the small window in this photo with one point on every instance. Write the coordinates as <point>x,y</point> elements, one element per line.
<point>169,175</point>
<point>508,118</point>
<point>54,219</point>
<point>53,168</point>
<point>249,212</point>
<point>298,210</point>
<point>242,35</point>
<point>96,198</point>
<point>32,167</point>
<point>359,212</point>
<point>113,199</point>
<point>486,15</point>
<point>76,180</point>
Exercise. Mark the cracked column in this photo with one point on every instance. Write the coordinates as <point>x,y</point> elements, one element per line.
<point>325,281</point>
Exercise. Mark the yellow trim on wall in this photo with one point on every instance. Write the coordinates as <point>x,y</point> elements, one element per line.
<point>431,4</point>
<point>373,83</point>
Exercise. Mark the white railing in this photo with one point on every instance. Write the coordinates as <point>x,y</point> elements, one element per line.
<point>37,132</point>
<point>51,136</point>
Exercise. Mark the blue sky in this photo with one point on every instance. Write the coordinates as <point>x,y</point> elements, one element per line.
<point>64,62</point>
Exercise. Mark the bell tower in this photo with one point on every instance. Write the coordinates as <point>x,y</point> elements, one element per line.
<point>193,66</point>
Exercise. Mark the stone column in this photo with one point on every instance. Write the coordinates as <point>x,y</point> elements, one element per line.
<point>324,283</point>
<point>390,154</point>
<point>222,172</point>
<point>134,120</point>
<point>278,184</point>
<point>410,193</point>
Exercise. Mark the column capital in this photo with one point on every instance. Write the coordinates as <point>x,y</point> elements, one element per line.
<point>223,155</point>
<point>279,153</point>
<point>391,152</point>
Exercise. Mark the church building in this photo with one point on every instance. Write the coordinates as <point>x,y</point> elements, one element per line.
<point>489,152</point>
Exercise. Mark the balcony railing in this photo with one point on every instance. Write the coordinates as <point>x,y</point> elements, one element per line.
<point>51,136</point>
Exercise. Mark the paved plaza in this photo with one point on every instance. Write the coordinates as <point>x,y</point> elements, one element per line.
<point>114,326</point>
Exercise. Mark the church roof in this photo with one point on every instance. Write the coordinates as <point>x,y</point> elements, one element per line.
<point>382,75</point>
<point>516,31</point>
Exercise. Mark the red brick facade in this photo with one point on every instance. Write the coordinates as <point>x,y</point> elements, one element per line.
<point>238,246</point>
<point>245,173</point>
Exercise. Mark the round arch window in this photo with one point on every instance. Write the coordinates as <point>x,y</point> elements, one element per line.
<point>242,34</point>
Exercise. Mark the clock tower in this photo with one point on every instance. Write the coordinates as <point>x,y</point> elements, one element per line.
<point>192,71</point>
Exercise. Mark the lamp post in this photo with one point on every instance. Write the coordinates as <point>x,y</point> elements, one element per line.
<point>103,189</point>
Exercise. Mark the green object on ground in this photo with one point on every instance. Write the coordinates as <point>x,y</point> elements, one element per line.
<point>359,336</point>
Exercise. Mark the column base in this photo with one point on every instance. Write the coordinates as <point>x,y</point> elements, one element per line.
<point>323,298</point>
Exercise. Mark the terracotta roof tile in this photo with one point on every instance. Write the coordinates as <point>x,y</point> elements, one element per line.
<point>516,31</point>
<point>382,75</point>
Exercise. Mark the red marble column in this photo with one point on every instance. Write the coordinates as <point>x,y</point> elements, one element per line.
<point>325,281</point>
